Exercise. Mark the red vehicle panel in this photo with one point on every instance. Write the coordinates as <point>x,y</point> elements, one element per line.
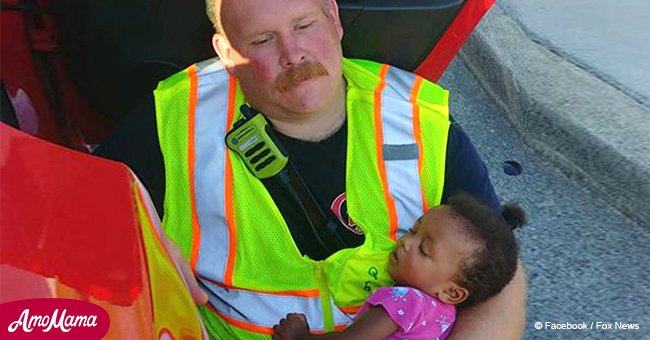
<point>81,227</point>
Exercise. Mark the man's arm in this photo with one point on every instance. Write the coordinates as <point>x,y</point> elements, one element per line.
<point>465,170</point>
<point>500,317</point>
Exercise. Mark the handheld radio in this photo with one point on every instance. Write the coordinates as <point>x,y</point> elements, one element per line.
<point>252,139</point>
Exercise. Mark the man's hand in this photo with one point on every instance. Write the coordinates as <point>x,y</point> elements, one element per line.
<point>500,317</point>
<point>199,296</point>
<point>292,327</point>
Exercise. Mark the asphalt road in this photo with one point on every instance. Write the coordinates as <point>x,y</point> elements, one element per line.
<point>586,262</point>
<point>606,37</point>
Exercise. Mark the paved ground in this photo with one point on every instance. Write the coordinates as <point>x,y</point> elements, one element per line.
<point>585,123</point>
<point>586,261</point>
<point>609,38</point>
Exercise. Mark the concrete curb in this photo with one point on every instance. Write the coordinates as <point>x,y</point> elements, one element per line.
<point>592,131</point>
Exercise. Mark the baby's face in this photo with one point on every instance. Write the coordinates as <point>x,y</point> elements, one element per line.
<point>429,257</point>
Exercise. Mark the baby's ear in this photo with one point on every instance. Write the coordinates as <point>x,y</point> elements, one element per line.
<point>453,294</point>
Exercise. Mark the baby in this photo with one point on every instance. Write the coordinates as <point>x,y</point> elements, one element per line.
<point>455,256</point>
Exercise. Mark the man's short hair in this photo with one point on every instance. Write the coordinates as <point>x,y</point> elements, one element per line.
<point>211,10</point>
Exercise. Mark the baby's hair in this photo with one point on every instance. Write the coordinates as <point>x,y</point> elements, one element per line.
<point>488,269</point>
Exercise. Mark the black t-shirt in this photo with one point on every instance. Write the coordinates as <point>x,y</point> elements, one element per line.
<point>321,164</point>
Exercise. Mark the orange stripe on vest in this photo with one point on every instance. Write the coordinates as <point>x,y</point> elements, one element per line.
<point>196,230</point>
<point>417,133</point>
<point>379,140</point>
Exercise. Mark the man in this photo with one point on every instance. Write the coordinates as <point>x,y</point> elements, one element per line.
<point>367,137</point>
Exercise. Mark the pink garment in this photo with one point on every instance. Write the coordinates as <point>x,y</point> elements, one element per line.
<point>418,315</point>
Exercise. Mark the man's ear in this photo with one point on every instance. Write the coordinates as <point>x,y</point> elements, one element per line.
<point>453,294</point>
<point>333,14</point>
<point>225,52</point>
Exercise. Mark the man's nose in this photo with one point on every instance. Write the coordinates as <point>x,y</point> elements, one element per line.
<point>291,54</point>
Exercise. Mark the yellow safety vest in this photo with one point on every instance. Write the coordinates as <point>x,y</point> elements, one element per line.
<point>234,236</point>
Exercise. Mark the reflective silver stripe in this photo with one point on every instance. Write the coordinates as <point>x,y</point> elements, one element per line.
<point>400,152</point>
<point>397,123</point>
<point>209,168</point>
<point>269,308</point>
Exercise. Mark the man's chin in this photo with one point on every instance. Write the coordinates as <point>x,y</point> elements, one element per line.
<point>302,108</point>
<point>303,99</point>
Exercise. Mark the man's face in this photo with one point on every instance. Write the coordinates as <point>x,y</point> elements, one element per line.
<point>286,54</point>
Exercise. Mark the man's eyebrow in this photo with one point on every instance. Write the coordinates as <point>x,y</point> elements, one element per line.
<point>293,22</point>
<point>308,15</point>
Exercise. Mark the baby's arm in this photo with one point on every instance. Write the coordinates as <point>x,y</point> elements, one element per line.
<point>373,324</point>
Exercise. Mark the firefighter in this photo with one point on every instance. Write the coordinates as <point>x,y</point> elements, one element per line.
<point>375,145</point>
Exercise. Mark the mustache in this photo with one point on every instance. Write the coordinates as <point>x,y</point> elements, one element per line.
<point>298,74</point>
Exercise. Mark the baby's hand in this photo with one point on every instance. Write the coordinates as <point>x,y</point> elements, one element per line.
<point>292,327</point>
